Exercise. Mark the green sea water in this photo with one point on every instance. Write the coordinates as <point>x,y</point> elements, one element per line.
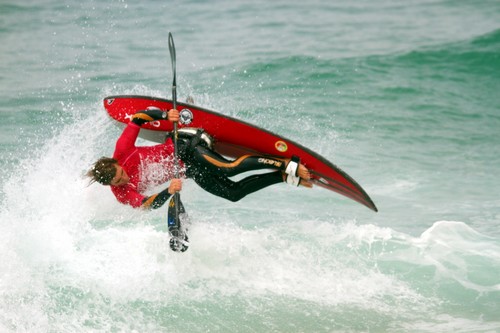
<point>403,96</point>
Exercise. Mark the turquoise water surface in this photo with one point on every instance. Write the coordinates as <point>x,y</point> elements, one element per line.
<point>403,96</point>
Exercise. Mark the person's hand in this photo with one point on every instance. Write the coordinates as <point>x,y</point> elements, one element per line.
<point>173,115</point>
<point>175,186</point>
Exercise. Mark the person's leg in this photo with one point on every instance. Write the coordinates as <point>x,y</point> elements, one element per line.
<point>219,165</point>
<point>210,171</point>
<point>226,188</point>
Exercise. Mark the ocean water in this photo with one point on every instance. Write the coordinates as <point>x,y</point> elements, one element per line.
<point>403,96</point>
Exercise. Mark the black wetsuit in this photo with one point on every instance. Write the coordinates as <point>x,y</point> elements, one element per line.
<point>211,171</point>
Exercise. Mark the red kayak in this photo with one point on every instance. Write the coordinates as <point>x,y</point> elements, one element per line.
<point>234,138</point>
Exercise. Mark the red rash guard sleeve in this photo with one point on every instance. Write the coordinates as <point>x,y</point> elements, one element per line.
<point>126,142</point>
<point>128,195</point>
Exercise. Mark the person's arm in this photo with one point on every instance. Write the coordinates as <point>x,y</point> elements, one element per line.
<point>142,117</point>
<point>127,139</point>
<point>157,200</point>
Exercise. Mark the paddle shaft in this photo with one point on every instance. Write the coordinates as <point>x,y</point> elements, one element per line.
<point>171,47</point>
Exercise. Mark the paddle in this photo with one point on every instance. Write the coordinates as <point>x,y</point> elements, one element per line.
<point>178,240</point>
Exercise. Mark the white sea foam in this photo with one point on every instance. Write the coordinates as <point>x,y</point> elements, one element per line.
<point>67,244</point>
